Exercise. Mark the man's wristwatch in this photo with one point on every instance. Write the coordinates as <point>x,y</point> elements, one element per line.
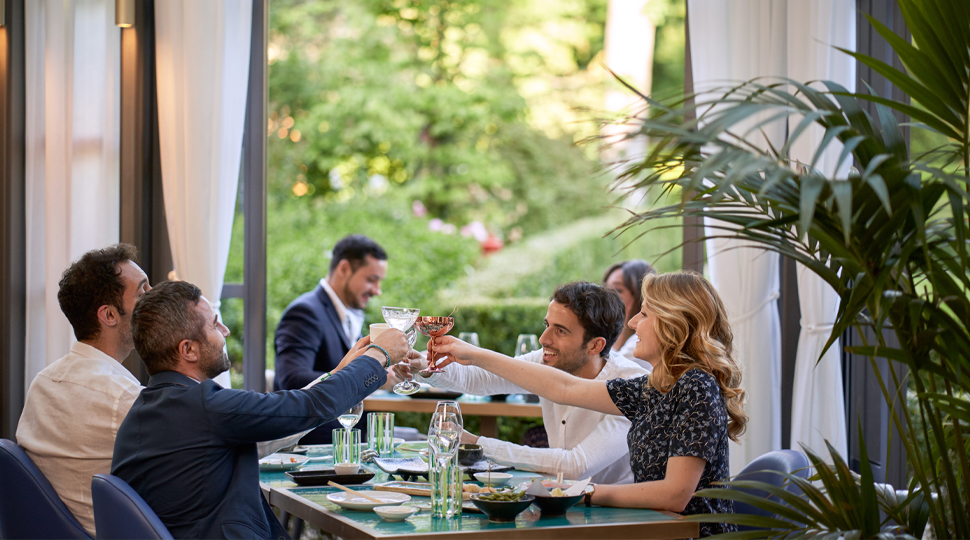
<point>588,498</point>
<point>378,347</point>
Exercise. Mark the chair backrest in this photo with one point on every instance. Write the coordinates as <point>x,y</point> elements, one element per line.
<point>121,513</point>
<point>763,469</point>
<point>29,506</point>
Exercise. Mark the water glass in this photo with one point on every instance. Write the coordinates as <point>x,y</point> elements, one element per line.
<point>380,433</point>
<point>346,446</point>
<point>469,337</point>
<point>446,480</point>
<point>525,344</point>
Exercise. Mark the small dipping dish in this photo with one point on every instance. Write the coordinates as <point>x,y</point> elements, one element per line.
<point>395,513</point>
<point>494,479</point>
<point>346,468</point>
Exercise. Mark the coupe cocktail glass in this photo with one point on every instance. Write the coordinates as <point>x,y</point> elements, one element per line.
<point>433,327</point>
<point>403,319</point>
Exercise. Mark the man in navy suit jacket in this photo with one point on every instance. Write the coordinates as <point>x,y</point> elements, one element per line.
<point>188,446</point>
<point>318,328</point>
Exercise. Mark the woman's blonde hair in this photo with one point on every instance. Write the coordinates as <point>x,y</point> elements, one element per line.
<point>692,332</point>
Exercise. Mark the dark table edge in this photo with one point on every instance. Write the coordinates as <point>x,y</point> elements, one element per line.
<point>348,529</point>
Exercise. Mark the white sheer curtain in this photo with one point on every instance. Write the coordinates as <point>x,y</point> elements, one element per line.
<point>741,40</point>
<point>72,54</point>
<point>202,63</point>
<point>734,41</point>
<point>818,410</point>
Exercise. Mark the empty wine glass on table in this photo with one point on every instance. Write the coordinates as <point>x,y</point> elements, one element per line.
<point>450,407</point>
<point>526,344</point>
<point>444,434</point>
<point>350,417</point>
<point>403,319</point>
<point>348,420</point>
<point>469,337</point>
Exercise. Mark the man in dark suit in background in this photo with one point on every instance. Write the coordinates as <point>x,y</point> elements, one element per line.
<point>318,328</point>
<point>188,446</point>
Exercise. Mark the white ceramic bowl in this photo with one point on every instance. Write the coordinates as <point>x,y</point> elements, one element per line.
<point>346,468</point>
<point>497,478</point>
<point>395,513</point>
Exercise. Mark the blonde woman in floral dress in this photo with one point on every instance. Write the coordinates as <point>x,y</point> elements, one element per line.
<point>683,413</point>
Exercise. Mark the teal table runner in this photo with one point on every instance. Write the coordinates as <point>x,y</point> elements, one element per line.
<point>311,504</point>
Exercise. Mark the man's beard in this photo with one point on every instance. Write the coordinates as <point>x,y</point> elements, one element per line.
<point>353,299</point>
<point>126,339</point>
<point>215,361</point>
<point>570,363</point>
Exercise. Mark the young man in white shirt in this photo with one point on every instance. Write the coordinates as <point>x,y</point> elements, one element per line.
<point>582,323</point>
<point>74,406</point>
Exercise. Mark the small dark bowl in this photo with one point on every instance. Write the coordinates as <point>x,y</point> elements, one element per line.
<point>503,511</point>
<point>556,506</point>
<point>470,454</point>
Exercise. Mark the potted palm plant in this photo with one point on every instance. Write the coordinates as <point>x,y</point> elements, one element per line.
<point>892,240</point>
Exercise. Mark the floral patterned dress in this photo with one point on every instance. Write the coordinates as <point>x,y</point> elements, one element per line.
<point>689,420</point>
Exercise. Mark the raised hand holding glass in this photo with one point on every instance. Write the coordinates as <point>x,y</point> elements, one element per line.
<point>403,319</point>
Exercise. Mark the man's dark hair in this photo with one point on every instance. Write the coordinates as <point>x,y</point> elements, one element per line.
<point>599,310</point>
<point>633,272</point>
<point>93,281</point>
<point>354,249</point>
<point>162,318</point>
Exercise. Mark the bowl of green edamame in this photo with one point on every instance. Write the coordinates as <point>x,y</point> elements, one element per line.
<point>502,506</point>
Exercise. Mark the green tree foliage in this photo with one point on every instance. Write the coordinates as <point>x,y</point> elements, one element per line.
<point>420,100</point>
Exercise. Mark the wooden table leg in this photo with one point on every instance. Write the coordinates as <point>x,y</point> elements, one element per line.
<point>489,427</point>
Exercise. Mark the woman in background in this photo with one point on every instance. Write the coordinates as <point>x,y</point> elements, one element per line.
<point>682,413</point>
<point>626,278</point>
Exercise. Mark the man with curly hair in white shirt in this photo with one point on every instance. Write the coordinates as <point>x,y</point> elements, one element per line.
<point>75,405</point>
<point>582,324</point>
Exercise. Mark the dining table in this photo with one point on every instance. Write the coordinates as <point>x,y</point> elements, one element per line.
<point>487,409</point>
<point>311,505</point>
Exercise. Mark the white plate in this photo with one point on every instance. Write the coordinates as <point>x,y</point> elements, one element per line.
<point>353,502</point>
<point>281,462</point>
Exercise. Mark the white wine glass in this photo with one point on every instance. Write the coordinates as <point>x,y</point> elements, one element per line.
<point>403,320</point>
<point>470,338</point>
<point>350,417</point>
<point>526,344</point>
<point>444,434</point>
<point>450,407</point>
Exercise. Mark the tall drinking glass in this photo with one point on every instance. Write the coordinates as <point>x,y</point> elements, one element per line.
<point>403,319</point>
<point>444,434</point>
<point>526,344</point>
<point>346,446</point>
<point>380,433</point>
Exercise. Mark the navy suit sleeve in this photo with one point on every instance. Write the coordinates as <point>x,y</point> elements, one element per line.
<point>298,339</point>
<point>247,417</point>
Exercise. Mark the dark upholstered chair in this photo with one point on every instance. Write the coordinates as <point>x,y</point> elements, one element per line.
<point>29,506</point>
<point>120,513</point>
